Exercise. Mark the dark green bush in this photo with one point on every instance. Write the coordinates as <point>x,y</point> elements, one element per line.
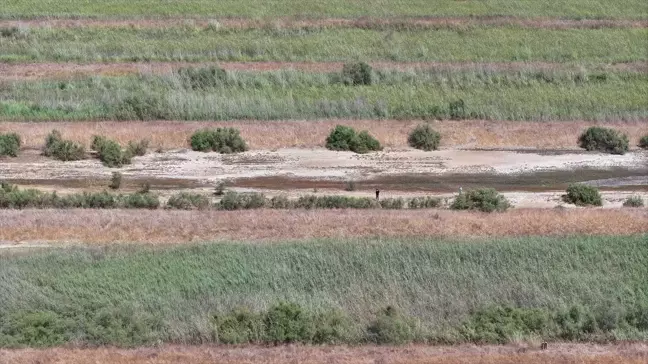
<point>138,148</point>
<point>112,155</point>
<point>331,327</point>
<point>141,201</point>
<point>643,142</point>
<point>202,78</point>
<point>346,138</point>
<point>221,140</point>
<point>335,202</point>
<point>64,150</point>
<point>423,202</point>
<point>424,137</point>
<point>122,326</point>
<point>633,201</point>
<point>392,327</point>
<point>115,181</point>
<point>287,323</point>
<point>575,323</point>
<point>392,203</point>
<point>583,195</point>
<point>238,327</point>
<point>483,199</point>
<point>142,107</point>
<point>242,201</point>
<point>357,74</point>
<point>457,110</point>
<point>604,140</point>
<point>280,202</point>
<point>499,325</point>
<point>34,329</point>
<point>9,144</point>
<point>188,201</point>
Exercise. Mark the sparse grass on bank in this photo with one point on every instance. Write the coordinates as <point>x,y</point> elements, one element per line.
<point>438,291</point>
<point>289,94</point>
<point>498,44</point>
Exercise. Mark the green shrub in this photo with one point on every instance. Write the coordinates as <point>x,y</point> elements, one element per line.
<point>34,329</point>
<point>238,327</point>
<point>221,140</point>
<point>142,107</point>
<point>457,110</point>
<point>583,195</point>
<point>64,150</point>
<point>85,200</point>
<point>424,137</point>
<point>500,325</point>
<point>122,326</point>
<point>202,78</point>
<point>335,202</point>
<point>357,74</point>
<point>242,201</point>
<point>138,148</point>
<point>115,181</point>
<point>141,201</point>
<point>604,140</point>
<point>280,202</point>
<point>188,201</point>
<point>346,138</point>
<point>392,203</point>
<point>112,155</point>
<point>574,323</point>
<point>98,142</point>
<point>424,202</point>
<point>287,323</point>
<point>391,327</point>
<point>483,199</point>
<point>643,142</point>
<point>331,327</point>
<point>9,144</point>
<point>633,201</point>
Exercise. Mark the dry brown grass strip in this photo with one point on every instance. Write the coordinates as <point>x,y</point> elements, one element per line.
<point>307,134</point>
<point>414,354</point>
<point>108,226</point>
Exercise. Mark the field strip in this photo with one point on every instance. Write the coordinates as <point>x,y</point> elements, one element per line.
<point>35,71</point>
<point>170,227</point>
<point>364,23</point>
<point>467,134</point>
<point>557,353</point>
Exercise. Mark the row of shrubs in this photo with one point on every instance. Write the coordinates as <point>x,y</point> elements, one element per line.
<point>286,323</point>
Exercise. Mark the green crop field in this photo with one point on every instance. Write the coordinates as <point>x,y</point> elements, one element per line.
<point>525,95</point>
<point>129,295</point>
<point>313,8</point>
<point>478,44</point>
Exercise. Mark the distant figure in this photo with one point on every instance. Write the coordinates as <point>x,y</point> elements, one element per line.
<point>377,194</point>
<point>543,346</point>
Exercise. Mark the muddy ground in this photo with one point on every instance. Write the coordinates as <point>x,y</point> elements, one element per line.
<point>530,178</point>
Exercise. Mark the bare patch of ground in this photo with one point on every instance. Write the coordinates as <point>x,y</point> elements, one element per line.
<point>462,134</point>
<point>35,71</point>
<point>296,23</point>
<point>412,354</point>
<point>55,227</point>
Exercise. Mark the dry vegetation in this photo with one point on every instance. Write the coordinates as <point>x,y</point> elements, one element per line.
<point>556,354</point>
<point>391,133</point>
<point>101,226</point>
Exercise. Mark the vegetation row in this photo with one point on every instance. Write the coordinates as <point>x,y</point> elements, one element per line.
<point>386,292</point>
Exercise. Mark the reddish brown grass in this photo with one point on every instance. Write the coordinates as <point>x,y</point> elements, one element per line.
<point>415,354</point>
<point>391,133</point>
<point>159,226</point>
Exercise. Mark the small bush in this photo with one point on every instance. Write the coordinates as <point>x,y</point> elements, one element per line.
<point>457,110</point>
<point>138,148</point>
<point>141,201</point>
<point>346,138</point>
<point>112,155</point>
<point>500,325</point>
<point>238,327</point>
<point>188,201</point>
<point>484,199</point>
<point>122,326</point>
<point>34,329</point>
<point>633,201</point>
<point>287,323</point>
<point>331,327</point>
<point>424,137</point>
<point>604,140</point>
<point>391,327</point>
<point>392,203</point>
<point>64,150</point>
<point>115,181</point>
<point>9,144</point>
<point>242,201</point>
<point>350,186</point>
<point>335,202</point>
<point>583,195</point>
<point>424,202</point>
<point>643,142</point>
<point>221,140</point>
<point>142,107</point>
<point>280,202</point>
<point>357,74</point>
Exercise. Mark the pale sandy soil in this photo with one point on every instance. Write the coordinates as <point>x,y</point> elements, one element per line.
<point>35,71</point>
<point>412,354</point>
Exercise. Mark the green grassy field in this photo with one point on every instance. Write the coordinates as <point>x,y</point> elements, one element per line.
<point>313,8</point>
<point>97,294</point>
<point>497,44</point>
<point>524,95</point>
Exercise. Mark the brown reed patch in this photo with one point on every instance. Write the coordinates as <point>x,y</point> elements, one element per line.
<point>413,354</point>
<point>269,135</point>
<point>160,226</point>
